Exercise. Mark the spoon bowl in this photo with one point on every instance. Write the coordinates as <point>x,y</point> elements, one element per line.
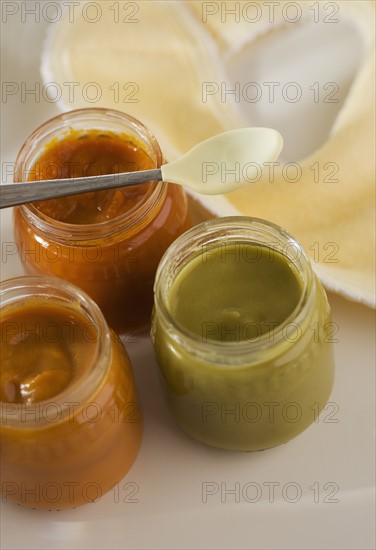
<point>226,161</point>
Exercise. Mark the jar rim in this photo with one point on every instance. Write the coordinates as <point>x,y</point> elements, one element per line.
<point>125,221</point>
<point>20,289</point>
<point>236,228</point>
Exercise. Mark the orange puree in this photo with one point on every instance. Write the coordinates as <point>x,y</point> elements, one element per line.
<point>70,425</point>
<point>43,349</point>
<point>109,243</point>
<point>91,153</point>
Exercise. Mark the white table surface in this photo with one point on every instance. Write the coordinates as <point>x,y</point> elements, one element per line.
<point>335,456</point>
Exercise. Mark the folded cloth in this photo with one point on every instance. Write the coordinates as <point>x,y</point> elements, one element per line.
<point>154,64</point>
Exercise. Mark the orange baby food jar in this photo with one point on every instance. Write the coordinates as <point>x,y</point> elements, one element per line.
<point>71,426</point>
<point>109,242</point>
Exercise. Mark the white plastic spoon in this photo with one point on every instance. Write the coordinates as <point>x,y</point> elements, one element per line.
<point>217,165</point>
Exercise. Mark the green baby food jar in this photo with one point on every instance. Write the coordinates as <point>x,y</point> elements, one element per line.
<point>242,334</point>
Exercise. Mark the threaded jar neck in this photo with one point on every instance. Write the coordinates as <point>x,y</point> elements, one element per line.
<point>22,291</point>
<point>222,232</point>
<point>81,120</point>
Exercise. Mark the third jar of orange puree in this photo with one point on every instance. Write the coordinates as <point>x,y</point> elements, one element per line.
<point>110,242</point>
<point>70,422</point>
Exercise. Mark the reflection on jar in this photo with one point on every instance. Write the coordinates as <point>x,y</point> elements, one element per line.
<point>242,334</point>
<point>108,243</point>
<point>71,425</point>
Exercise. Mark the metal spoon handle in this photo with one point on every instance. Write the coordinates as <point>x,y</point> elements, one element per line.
<point>22,193</point>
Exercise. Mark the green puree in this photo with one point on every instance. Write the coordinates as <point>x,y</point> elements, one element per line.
<point>230,379</point>
<point>235,292</point>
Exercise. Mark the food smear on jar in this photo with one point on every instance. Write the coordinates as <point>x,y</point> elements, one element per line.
<point>235,292</point>
<point>84,153</point>
<point>44,350</point>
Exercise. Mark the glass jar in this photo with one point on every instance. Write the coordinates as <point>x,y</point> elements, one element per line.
<point>263,388</point>
<point>68,447</point>
<point>114,261</point>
